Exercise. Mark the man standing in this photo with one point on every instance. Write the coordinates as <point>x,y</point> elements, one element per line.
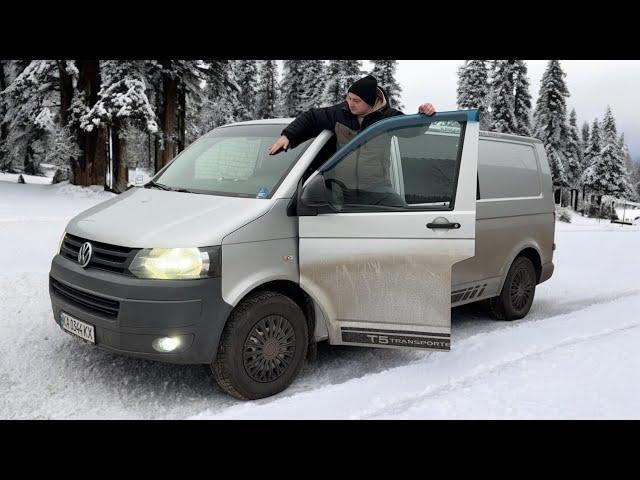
<point>366,103</point>
<point>365,180</point>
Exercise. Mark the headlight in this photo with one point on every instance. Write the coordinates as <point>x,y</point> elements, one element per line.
<point>176,263</point>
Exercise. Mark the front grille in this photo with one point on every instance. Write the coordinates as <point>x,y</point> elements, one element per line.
<point>112,258</point>
<point>87,301</point>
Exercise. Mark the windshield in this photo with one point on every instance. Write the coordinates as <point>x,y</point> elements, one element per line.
<point>232,161</point>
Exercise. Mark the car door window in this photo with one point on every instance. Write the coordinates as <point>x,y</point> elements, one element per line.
<point>412,168</point>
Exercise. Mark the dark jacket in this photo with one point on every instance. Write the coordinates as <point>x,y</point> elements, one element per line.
<point>337,118</point>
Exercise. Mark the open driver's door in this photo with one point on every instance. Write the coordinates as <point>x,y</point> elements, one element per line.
<point>378,259</point>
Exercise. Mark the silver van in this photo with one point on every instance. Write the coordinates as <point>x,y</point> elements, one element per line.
<point>243,261</point>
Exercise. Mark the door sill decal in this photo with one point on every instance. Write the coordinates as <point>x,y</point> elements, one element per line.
<point>391,338</point>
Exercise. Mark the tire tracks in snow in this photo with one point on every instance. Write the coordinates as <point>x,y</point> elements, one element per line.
<point>463,381</point>
<point>340,362</point>
<point>371,395</point>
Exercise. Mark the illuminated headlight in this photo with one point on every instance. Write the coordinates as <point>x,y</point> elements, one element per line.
<point>176,263</point>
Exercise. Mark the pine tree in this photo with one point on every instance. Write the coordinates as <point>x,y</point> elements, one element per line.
<point>268,90</point>
<point>175,84</point>
<point>502,99</point>
<point>30,118</point>
<point>294,95</point>
<point>492,66</point>
<point>522,99</point>
<point>584,145</point>
<point>573,152</point>
<point>473,88</point>
<point>628,162</point>
<point>611,173</point>
<point>122,102</point>
<point>314,83</point>
<point>633,170</point>
<point>592,158</point>
<point>550,120</point>
<point>246,74</point>
<point>384,71</point>
<point>635,179</point>
<point>594,148</point>
<point>223,95</point>
<point>340,75</point>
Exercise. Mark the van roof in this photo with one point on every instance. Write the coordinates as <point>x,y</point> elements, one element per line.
<point>266,121</point>
<point>483,133</point>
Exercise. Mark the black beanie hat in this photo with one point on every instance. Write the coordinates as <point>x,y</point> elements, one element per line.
<point>366,88</point>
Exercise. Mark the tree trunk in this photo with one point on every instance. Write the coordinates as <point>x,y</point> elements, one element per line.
<point>96,146</point>
<point>90,167</point>
<point>169,119</point>
<point>557,196</point>
<point>157,140</point>
<point>168,112</point>
<point>120,168</point>
<point>148,150</point>
<point>182,117</point>
<point>66,91</point>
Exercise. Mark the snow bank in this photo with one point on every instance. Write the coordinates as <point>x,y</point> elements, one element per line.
<point>34,179</point>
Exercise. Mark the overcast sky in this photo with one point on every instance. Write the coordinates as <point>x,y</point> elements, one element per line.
<point>593,84</point>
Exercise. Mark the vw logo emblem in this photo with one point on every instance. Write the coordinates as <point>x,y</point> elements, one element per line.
<point>84,255</point>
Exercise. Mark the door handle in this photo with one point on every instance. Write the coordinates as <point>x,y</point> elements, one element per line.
<point>443,225</point>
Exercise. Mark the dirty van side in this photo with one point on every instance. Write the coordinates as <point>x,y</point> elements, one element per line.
<point>515,227</point>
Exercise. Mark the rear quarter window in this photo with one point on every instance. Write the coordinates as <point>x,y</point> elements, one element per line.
<point>507,170</point>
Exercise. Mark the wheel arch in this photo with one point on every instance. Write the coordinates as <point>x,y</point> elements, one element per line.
<point>293,291</point>
<point>530,251</point>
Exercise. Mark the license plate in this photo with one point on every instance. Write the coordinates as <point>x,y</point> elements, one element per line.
<point>75,326</point>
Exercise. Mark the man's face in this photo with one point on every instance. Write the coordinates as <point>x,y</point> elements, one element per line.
<point>357,105</point>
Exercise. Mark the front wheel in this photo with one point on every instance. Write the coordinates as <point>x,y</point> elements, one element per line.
<point>517,293</point>
<point>262,348</point>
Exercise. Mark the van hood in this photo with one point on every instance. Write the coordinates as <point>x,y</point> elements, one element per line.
<point>147,218</point>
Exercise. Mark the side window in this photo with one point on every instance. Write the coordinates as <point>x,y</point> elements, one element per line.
<point>513,163</point>
<point>403,169</point>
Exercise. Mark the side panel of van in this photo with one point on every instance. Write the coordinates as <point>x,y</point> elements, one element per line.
<point>514,212</point>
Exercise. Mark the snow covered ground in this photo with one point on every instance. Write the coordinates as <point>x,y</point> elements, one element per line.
<point>575,356</point>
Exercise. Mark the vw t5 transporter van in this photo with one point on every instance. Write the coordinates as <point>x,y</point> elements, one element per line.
<point>243,261</point>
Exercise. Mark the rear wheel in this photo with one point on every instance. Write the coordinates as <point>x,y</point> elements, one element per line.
<point>517,293</point>
<point>262,347</point>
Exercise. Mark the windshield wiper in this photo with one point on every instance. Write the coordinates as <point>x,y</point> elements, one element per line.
<point>157,185</point>
<point>183,190</point>
<point>167,188</point>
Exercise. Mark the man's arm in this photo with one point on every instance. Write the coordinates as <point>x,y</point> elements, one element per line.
<point>426,108</point>
<point>307,125</point>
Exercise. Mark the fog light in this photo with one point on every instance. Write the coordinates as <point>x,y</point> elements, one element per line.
<point>166,344</point>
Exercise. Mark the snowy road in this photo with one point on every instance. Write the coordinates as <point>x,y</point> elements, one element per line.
<point>575,356</point>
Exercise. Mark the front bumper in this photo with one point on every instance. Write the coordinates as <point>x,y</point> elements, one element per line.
<point>129,313</point>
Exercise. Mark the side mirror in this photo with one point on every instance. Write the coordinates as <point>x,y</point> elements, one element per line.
<point>314,194</point>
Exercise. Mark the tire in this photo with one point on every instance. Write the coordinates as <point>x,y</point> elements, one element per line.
<point>517,294</point>
<point>250,363</point>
